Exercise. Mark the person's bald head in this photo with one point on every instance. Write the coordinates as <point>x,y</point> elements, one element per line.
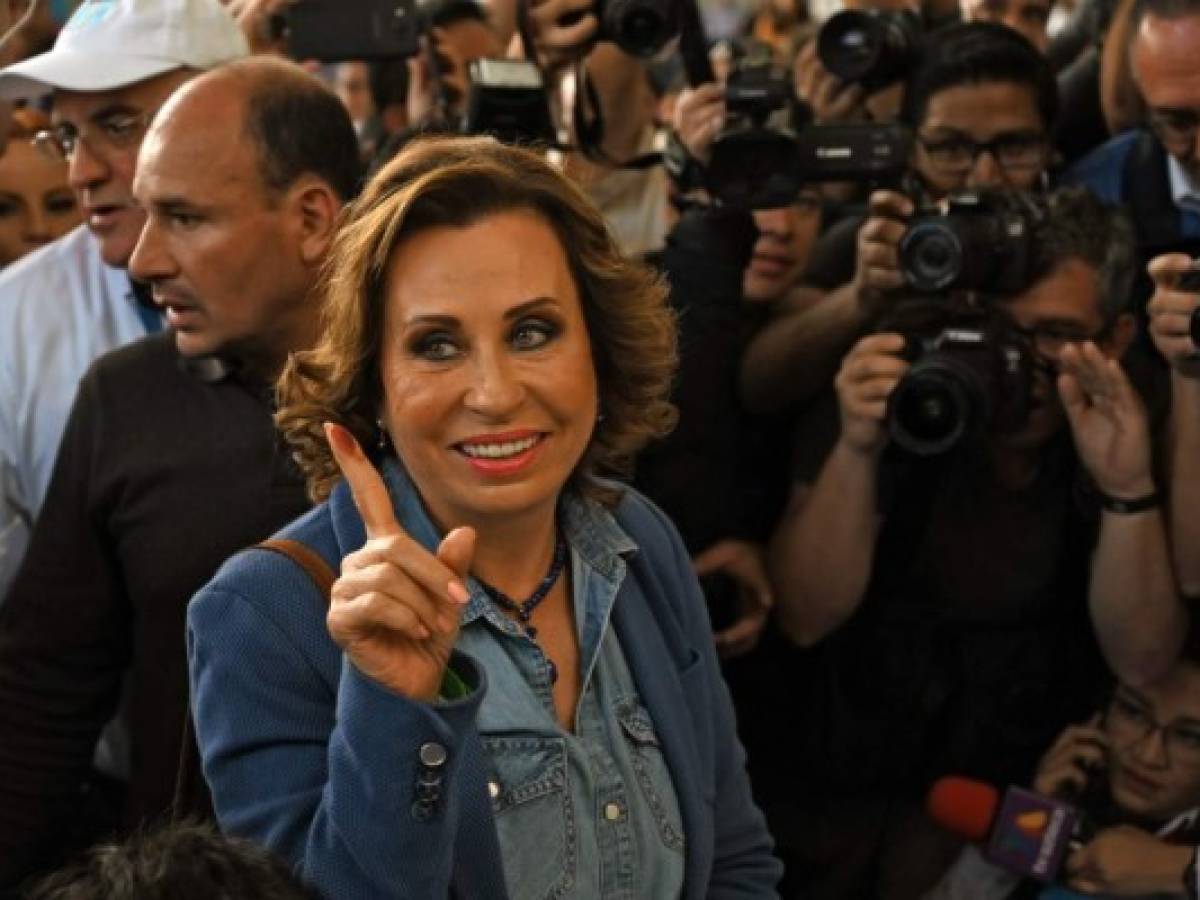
<point>242,176</point>
<point>293,123</point>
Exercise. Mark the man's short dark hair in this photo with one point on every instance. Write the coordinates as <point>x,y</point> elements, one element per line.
<point>1078,225</point>
<point>182,862</point>
<point>443,13</point>
<point>980,53</point>
<point>297,126</point>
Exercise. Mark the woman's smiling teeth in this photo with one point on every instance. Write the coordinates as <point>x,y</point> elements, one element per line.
<point>499,451</point>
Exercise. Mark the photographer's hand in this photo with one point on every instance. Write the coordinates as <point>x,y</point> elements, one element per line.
<point>254,18</point>
<point>1127,862</point>
<point>869,374</point>
<point>745,563</point>
<point>562,30</point>
<point>832,100</point>
<point>1170,311</point>
<point>877,261</point>
<point>1107,420</point>
<point>698,118</point>
<point>1065,769</point>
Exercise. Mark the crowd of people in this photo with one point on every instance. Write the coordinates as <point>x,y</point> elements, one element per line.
<point>636,505</point>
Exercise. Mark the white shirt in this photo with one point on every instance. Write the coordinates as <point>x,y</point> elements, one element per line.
<point>60,308</point>
<point>1184,189</point>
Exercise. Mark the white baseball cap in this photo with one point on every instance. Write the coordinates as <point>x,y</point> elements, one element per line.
<point>109,44</point>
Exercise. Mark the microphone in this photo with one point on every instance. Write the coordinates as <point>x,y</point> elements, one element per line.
<point>1024,832</point>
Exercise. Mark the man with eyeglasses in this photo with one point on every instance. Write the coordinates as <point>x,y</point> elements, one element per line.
<point>113,65</point>
<point>1134,771</point>
<point>1155,171</point>
<point>957,610</point>
<point>981,106</point>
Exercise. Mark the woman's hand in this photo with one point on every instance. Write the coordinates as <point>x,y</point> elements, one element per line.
<point>396,608</point>
<point>1127,862</point>
<point>1079,751</point>
<point>869,374</point>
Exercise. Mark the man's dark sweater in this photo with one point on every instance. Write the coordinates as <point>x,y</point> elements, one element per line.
<point>162,475</point>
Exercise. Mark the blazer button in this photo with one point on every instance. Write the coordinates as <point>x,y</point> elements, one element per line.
<point>433,755</point>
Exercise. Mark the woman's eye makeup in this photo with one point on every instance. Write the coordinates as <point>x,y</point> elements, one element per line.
<point>533,333</point>
<point>8,206</point>
<point>434,345</point>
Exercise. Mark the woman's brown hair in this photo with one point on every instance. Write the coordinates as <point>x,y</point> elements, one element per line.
<point>455,182</point>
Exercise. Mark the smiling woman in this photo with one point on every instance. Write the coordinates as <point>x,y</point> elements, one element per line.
<point>512,690</point>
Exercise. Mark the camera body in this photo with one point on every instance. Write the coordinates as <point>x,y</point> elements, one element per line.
<point>639,27</point>
<point>872,48</point>
<point>768,152</point>
<point>977,241</point>
<point>507,99</point>
<point>336,31</point>
<point>971,375</point>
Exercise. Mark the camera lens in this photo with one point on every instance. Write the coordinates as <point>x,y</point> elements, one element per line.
<point>639,27</point>
<point>931,256</point>
<point>849,44</point>
<point>937,405</point>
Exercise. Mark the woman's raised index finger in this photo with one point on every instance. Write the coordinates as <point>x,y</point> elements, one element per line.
<point>366,484</point>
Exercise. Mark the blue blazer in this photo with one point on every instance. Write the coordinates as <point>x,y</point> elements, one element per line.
<point>309,757</point>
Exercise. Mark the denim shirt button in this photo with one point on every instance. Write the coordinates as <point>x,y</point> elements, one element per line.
<point>493,789</point>
<point>612,811</point>
<point>432,754</point>
<point>422,810</point>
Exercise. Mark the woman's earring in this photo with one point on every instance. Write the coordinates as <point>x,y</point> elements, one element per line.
<point>382,441</point>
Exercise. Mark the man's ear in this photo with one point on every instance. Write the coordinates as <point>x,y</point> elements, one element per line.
<point>317,213</point>
<point>1122,334</point>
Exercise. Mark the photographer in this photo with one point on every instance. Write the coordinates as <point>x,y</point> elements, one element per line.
<point>1133,770</point>
<point>957,606</point>
<point>982,106</point>
<point>725,268</point>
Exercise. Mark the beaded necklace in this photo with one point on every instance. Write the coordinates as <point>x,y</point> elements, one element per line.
<point>524,609</point>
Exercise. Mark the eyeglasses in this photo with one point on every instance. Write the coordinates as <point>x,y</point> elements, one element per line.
<point>1048,340</point>
<point>116,131</point>
<point>1174,126</point>
<point>1015,150</point>
<point>1130,722</point>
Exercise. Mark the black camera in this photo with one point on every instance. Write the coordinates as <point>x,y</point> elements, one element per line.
<point>507,99</point>
<point>873,48</point>
<point>978,241</point>
<point>768,152</point>
<point>335,31</point>
<point>639,27</point>
<point>971,375</point>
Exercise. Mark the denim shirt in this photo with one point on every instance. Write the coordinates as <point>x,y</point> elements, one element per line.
<point>586,815</point>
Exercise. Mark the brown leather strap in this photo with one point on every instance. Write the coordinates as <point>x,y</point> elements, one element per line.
<point>192,801</point>
<point>307,559</point>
